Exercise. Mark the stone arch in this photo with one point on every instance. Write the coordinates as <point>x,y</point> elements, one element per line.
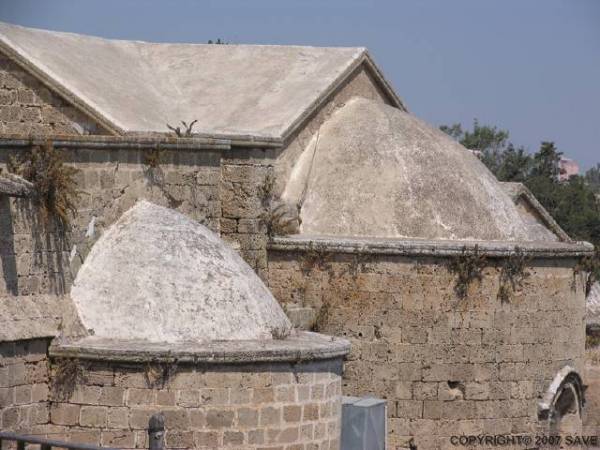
<point>563,402</point>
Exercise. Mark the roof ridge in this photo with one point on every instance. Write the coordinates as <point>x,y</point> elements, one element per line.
<point>44,74</point>
<point>141,41</point>
<point>136,87</point>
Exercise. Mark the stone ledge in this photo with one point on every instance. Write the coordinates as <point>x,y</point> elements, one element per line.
<point>301,346</point>
<point>118,142</point>
<point>15,186</point>
<point>425,247</point>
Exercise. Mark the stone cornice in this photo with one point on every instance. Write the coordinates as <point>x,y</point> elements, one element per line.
<point>301,346</point>
<point>423,247</point>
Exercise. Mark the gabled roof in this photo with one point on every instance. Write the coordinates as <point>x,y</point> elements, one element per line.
<point>257,91</point>
<point>518,191</point>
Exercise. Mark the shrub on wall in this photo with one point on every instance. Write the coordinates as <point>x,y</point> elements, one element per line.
<point>55,189</point>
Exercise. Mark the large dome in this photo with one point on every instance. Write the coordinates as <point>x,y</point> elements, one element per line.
<point>374,170</point>
<point>159,276</point>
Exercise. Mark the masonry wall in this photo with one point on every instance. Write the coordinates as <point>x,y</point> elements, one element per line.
<point>360,83</point>
<point>38,260</point>
<point>27,107</point>
<point>446,365</point>
<point>24,391</point>
<point>592,379</point>
<point>257,406</point>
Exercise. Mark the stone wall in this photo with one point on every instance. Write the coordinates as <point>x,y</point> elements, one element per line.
<point>446,365</point>
<point>245,192</point>
<point>256,406</point>
<point>360,83</point>
<point>37,260</point>
<point>24,389</point>
<point>27,107</point>
<point>592,379</point>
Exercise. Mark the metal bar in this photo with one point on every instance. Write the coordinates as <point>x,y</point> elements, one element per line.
<point>45,447</point>
<point>21,440</point>
<point>156,432</point>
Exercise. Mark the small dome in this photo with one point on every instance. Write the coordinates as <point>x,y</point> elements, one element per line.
<point>159,276</point>
<point>379,171</point>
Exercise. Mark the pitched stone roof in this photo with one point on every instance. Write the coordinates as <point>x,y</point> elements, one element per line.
<point>258,91</point>
<point>538,218</point>
<point>375,170</point>
<point>158,276</point>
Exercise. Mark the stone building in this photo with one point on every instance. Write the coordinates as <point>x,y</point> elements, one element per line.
<point>567,169</point>
<point>460,295</point>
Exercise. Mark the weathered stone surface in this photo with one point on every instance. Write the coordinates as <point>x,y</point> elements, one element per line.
<point>29,108</point>
<point>446,365</point>
<point>15,186</point>
<point>593,307</point>
<point>298,346</point>
<point>375,170</point>
<point>279,85</point>
<point>156,275</point>
<point>219,420</point>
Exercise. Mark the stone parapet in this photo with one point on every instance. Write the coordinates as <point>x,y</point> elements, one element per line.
<point>253,395</point>
<point>446,365</point>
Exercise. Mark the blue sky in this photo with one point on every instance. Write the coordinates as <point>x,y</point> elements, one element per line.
<point>529,66</point>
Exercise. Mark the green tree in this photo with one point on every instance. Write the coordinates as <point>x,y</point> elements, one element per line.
<point>514,164</point>
<point>490,141</point>
<point>592,177</point>
<point>546,161</point>
<point>573,203</point>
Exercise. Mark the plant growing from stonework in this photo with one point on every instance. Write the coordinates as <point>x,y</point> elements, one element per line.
<point>54,183</point>
<point>356,265</point>
<point>589,265</point>
<point>153,158</point>
<point>316,257</point>
<point>186,131</point>
<point>278,217</point>
<point>592,341</point>
<point>67,374</point>
<point>321,318</point>
<point>158,374</point>
<point>512,274</point>
<point>265,189</point>
<point>467,267</point>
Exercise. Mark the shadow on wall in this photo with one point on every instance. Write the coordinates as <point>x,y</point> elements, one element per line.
<point>42,250</point>
<point>7,247</point>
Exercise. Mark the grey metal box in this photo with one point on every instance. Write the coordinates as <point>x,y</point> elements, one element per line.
<point>363,423</point>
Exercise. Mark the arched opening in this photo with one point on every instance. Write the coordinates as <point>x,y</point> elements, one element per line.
<point>563,402</point>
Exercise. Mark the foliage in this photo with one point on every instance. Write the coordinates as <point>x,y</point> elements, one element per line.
<point>186,131</point>
<point>219,41</point>
<point>467,267</point>
<point>512,274</point>
<point>54,183</point>
<point>591,266</point>
<point>592,341</point>
<point>321,318</point>
<point>490,141</point>
<point>357,265</point>
<point>316,257</point>
<point>158,375</point>
<point>573,203</point>
<point>592,178</point>
<point>153,158</point>
<point>265,190</point>
<point>68,373</point>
